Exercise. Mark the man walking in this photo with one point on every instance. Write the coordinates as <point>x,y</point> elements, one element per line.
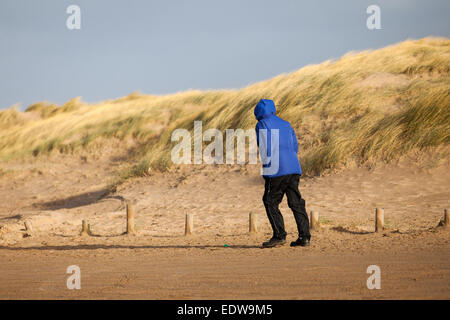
<point>281,170</point>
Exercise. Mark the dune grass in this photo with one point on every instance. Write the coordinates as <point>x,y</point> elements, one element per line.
<point>366,106</point>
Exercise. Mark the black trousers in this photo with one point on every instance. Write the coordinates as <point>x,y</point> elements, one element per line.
<point>274,190</point>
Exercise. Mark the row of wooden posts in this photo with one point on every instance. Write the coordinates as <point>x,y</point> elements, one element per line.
<point>253,227</point>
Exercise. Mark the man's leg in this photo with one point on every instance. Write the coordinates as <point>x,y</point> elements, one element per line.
<point>297,205</point>
<point>273,194</point>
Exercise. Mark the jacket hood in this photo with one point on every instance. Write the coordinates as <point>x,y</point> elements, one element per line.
<point>264,108</point>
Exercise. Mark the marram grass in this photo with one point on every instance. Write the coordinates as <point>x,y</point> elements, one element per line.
<point>366,106</point>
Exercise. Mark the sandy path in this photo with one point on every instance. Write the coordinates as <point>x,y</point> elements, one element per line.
<point>216,273</point>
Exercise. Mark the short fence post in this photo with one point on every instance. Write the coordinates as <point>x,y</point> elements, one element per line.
<point>85,228</point>
<point>130,219</point>
<point>28,228</point>
<point>379,220</point>
<point>314,220</point>
<point>252,226</point>
<point>189,227</point>
<point>446,218</point>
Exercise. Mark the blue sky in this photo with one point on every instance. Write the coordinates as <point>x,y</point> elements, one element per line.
<point>160,47</point>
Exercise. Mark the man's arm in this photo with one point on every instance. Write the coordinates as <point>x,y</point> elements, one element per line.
<point>294,140</point>
<point>258,126</point>
<point>266,135</point>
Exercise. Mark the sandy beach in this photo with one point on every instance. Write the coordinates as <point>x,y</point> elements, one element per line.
<point>221,259</point>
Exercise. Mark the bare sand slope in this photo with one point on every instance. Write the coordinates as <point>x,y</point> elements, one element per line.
<point>160,262</point>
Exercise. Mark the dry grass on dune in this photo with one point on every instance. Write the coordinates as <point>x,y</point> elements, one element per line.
<point>372,105</point>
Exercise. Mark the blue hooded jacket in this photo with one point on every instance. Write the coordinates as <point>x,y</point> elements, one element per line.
<point>286,145</point>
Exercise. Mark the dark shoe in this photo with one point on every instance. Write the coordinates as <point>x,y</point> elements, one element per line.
<point>274,242</point>
<point>300,242</point>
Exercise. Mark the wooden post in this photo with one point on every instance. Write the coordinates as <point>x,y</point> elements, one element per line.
<point>379,220</point>
<point>252,226</point>
<point>446,218</point>
<point>130,219</point>
<point>85,228</point>
<point>189,228</point>
<point>28,228</point>
<point>314,220</point>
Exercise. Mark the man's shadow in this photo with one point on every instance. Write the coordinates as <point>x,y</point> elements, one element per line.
<point>110,247</point>
<point>79,200</point>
